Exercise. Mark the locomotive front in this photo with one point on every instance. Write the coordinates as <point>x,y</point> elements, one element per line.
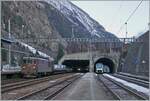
<point>29,67</point>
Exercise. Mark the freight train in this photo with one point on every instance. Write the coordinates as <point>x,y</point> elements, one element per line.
<point>61,68</point>
<point>37,67</point>
<point>33,67</point>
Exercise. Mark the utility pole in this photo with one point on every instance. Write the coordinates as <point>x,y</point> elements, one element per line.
<point>22,30</point>
<point>109,41</point>
<point>9,53</point>
<point>149,29</point>
<point>126,29</point>
<point>72,32</point>
<point>90,53</point>
<point>149,19</point>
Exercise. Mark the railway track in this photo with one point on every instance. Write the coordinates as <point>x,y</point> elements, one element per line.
<point>21,84</point>
<point>140,82</point>
<point>14,80</point>
<point>119,91</point>
<point>50,91</point>
<point>134,76</point>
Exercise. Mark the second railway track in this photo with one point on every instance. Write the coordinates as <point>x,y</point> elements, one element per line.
<point>119,91</point>
<point>140,82</point>
<point>17,85</point>
<point>50,91</point>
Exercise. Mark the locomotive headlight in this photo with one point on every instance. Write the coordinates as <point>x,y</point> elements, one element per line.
<point>34,67</point>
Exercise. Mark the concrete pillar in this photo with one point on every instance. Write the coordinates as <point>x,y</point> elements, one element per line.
<point>91,66</point>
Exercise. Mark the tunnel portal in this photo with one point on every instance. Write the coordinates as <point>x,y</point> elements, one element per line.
<point>77,65</point>
<point>107,62</point>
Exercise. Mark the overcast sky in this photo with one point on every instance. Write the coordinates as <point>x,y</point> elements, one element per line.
<point>112,14</point>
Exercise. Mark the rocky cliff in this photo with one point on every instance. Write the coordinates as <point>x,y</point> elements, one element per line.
<point>136,59</point>
<point>49,19</point>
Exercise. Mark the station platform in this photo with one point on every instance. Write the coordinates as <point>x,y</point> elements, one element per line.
<point>86,88</point>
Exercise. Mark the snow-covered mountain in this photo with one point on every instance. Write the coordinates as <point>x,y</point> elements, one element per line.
<point>79,18</point>
<point>53,19</point>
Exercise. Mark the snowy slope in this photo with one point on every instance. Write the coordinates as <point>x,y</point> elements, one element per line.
<point>73,12</point>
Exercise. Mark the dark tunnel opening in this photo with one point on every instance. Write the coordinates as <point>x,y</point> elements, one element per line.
<point>105,62</point>
<point>77,65</point>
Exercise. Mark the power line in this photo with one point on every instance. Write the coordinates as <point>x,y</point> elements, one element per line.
<point>130,16</point>
<point>134,10</point>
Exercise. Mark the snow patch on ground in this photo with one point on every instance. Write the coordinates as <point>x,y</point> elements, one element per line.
<point>129,84</point>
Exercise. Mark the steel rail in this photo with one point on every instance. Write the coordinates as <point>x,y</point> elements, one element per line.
<point>115,95</point>
<point>17,85</point>
<point>24,97</point>
<point>133,80</point>
<point>130,91</point>
<point>49,97</point>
